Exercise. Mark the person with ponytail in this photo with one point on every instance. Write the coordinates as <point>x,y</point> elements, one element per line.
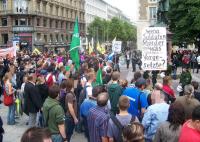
<point>188,101</point>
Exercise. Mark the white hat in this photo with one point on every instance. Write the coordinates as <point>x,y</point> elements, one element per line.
<point>179,88</point>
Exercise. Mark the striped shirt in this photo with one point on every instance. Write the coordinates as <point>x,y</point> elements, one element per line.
<point>98,118</point>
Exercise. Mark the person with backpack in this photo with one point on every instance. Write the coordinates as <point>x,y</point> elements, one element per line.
<point>71,109</point>
<point>117,123</point>
<point>54,115</point>
<point>138,99</point>
<point>32,100</point>
<point>9,99</point>
<point>114,91</point>
<point>87,105</point>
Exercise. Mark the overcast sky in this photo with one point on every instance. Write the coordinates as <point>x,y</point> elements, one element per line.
<point>129,7</point>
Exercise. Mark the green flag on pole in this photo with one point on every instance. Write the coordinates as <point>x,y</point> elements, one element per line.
<point>74,46</point>
<point>99,80</point>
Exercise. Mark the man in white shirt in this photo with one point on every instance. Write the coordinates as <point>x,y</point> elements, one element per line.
<point>91,78</point>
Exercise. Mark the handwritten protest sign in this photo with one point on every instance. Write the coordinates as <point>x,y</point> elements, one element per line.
<point>117,46</point>
<point>154,51</point>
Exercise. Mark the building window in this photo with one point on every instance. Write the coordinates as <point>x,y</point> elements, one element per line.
<point>56,24</point>
<point>44,8</point>
<point>4,38</point>
<point>38,36</point>
<point>29,22</point>
<point>62,38</point>
<point>51,9</point>
<point>44,23</point>
<point>51,38</point>
<point>4,6</point>
<point>22,22</point>
<point>71,26</point>
<point>38,5</point>
<point>56,37</point>
<point>152,12</point>
<point>57,10</point>
<point>4,21</point>
<point>51,23</point>
<point>16,22</point>
<point>45,38</point>
<point>38,21</point>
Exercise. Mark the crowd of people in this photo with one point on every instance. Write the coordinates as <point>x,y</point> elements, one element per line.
<point>58,100</point>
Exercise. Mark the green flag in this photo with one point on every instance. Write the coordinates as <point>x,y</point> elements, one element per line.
<point>74,46</point>
<point>99,80</point>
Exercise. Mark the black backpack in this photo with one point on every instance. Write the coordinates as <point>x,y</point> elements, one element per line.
<point>119,126</point>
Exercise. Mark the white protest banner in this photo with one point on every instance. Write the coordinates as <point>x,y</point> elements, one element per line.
<point>11,52</point>
<point>117,46</point>
<point>154,50</point>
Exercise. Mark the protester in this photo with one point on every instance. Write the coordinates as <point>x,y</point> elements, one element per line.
<point>88,86</point>
<point>114,91</point>
<point>32,100</point>
<point>71,109</point>
<point>134,132</point>
<point>169,92</point>
<point>196,91</point>
<point>1,130</point>
<point>9,99</point>
<point>87,105</point>
<point>154,115</point>
<point>61,75</point>
<point>128,56</point>
<point>155,94</point>
<point>116,123</point>
<point>50,78</point>
<point>35,134</point>
<point>198,63</point>
<point>188,101</point>
<point>138,100</point>
<point>169,130</point>
<point>54,115</point>
<point>42,88</point>
<point>98,118</point>
<point>185,78</point>
<point>190,129</point>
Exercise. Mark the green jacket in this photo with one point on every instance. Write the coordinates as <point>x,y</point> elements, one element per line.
<point>114,91</point>
<point>56,114</point>
<point>185,78</point>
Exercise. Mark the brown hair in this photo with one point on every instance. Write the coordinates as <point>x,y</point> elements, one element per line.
<point>124,103</point>
<point>63,84</point>
<point>91,75</point>
<point>54,91</point>
<point>115,76</point>
<point>69,84</point>
<point>133,133</point>
<point>166,80</point>
<point>36,134</point>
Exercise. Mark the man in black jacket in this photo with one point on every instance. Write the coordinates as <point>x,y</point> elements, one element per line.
<point>32,100</point>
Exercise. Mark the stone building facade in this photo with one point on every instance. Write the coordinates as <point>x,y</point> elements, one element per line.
<point>40,23</point>
<point>147,17</point>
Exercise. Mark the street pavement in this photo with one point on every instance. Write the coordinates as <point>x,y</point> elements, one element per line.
<point>14,133</point>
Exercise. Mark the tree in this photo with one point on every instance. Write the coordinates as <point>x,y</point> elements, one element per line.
<point>184,20</point>
<point>104,30</point>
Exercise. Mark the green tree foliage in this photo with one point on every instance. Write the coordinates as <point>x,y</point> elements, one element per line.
<point>184,20</point>
<point>103,30</point>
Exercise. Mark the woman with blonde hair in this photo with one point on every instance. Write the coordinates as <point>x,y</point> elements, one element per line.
<point>9,99</point>
<point>188,101</point>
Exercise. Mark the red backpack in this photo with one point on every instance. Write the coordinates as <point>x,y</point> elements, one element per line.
<point>50,80</point>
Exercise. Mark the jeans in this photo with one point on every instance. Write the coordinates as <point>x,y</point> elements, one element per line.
<point>127,63</point>
<point>69,127</point>
<point>56,138</point>
<point>11,115</point>
<point>174,74</point>
<point>85,124</point>
<point>134,65</point>
<point>32,119</point>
